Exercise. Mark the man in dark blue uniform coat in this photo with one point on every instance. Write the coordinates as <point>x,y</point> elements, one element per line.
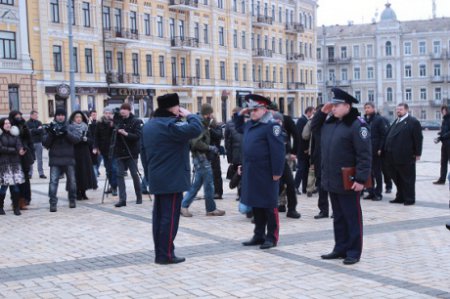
<point>345,142</point>
<point>263,163</point>
<point>166,144</point>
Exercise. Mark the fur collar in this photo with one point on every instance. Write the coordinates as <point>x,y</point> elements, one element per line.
<point>163,113</point>
<point>348,119</point>
<point>13,132</point>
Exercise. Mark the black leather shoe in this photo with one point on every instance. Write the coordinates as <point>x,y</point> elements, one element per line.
<point>409,203</point>
<point>139,201</point>
<point>439,182</point>
<point>321,215</point>
<point>377,198</point>
<point>72,205</point>
<point>388,191</point>
<point>145,192</point>
<point>267,245</point>
<point>218,196</point>
<point>333,256</point>
<point>253,242</point>
<point>42,176</point>
<point>174,260</point>
<point>448,225</point>
<point>281,209</point>
<point>53,208</point>
<point>298,191</point>
<point>350,260</point>
<point>293,214</point>
<point>120,204</point>
<point>396,201</point>
<point>369,197</point>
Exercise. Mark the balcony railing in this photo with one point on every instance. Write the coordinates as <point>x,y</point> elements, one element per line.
<point>262,20</point>
<point>262,53</point>
<point>183,42</point>
<point>294,57</point>
<point>121,34</point>
<point>435,103</point>
<point>185,81</point>
<point>439,56</point>
<point>334,60</point>
<point>183,4</point>
<point>295,85</point>
<point>295,27</point>
<point>265,84</point>
<point>343,83</point>
<point>129,78</point>
<point>11,64</point>
<point>437,79</point>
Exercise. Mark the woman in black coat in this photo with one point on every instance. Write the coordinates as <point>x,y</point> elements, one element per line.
<point>84,171</point>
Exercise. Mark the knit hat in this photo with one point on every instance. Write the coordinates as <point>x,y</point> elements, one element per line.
<point>60,111</point>
<point>125,106</point>
<point>168,100</point>
<point>206,109</point>
<point>108,109</point>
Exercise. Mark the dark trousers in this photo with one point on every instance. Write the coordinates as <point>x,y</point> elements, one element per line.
<point>386,174</point>
<point>122,166</point>
<point>404,177</point>
<point>301,175</point>
<point>266,218</point>
<point>111,170</point>
<point>347,224</point>
<point>445,156</point>
<point>377,177</point>
<point>25,190</point>
<point>288,179</point>
<point>217,175</point>
<point>322,202</point>
<point>166,218</point>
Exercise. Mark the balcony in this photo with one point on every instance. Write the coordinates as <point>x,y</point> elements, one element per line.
<point>345,60</point>
<point>294,28</point>
<point>265,85</point>
<point>439,56</point>
<point>184,43</point>
<point>294,57</point>
<point>295,86</point>
<point>330,83</point>
<point>437,79</point>
<point>262,20</point>
<point>435,103</point>
<point>185,81</point>
<point>121,35</point>
<point>184,5</point>
<point>126,78</point>
<point>262,53</point>
<point>12,64</point>
<point>344,83</point>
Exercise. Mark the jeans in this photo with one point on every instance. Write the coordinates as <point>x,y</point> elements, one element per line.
<point>12,189</point>
<point>111,171</point>
<point>203,176</point>
<point>122,166</point>
<point>301,175</point>
<point>38,152</point>
<point>55,172</point>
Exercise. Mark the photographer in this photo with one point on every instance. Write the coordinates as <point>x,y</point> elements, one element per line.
<point>444,137</point>
<point>127,152</point>
<point>60,140</point>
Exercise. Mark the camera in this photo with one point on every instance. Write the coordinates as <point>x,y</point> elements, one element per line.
<point>56,128</point>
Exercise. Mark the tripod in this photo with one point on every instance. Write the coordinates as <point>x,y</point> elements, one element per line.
<point>111,155</point>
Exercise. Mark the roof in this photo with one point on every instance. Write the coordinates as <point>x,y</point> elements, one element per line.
<point>388,14</point>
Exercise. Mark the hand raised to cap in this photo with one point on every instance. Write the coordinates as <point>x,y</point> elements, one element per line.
<point>184,112</point>
<point>327,108</point>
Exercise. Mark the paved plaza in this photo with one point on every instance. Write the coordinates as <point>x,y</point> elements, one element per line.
<point>98,251</point>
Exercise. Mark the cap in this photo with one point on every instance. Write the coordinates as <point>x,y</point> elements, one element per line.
<point>340,96</point>
<point>168,100</point>
<point>256,101</point>
<point>206,109</point>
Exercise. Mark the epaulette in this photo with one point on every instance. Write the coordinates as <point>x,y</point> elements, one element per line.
<point>362,121</point>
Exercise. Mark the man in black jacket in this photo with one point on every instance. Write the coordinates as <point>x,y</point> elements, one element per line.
<point>127,152</point>
<point>301,176</point>
<point>378,130</point>
<point>233,148</point>
<point>444,137</point>
<point>403,147</point>
<point>36,131</point>
<point>60,141</point>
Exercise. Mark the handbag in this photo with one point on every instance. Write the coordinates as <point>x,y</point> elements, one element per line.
<point>348,178</point>
<point>231,171</point>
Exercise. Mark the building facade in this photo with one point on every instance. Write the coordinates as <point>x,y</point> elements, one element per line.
<point>17,86</point>
<point>213,51</point>
<point>388,62</point>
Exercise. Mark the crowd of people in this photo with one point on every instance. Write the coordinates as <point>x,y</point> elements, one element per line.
<point>263,148</point>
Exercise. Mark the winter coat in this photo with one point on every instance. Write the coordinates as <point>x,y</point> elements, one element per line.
<point>444,135</point>
<point>233,144</point>
<point>36,134</point>
<point>132,125</point>
<point>61,147</point>
<point>103,135</point>
<point>9,148</point>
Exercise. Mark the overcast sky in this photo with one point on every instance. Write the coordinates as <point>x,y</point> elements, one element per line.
<point>332,12</point>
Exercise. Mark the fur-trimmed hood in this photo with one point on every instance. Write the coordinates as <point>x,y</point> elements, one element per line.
<point>348,119</point>
<point>14,131</point>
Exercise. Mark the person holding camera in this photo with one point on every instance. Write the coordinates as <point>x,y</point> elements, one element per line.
<point>127,152</point>
<point>60,139</point>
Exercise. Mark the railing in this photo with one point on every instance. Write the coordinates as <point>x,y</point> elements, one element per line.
<point>262,53</point>
<point>437,79</point>
<point>11,64</point>
<point>266,20</point>
<point>295,27</point>
<point>435,103</point>
<point>295,57</point>
<point>113,77</point>
<point>122,33</point>
<point>191,3</point>
<point>339,60</point>
<point>439,56</point>
<point>295,85</point>
<point>182,81</point>
<point>182,41</point>
<point>265,84</point>
<point>344,83</point>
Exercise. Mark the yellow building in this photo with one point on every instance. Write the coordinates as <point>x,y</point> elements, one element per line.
<point>17,89</point>
<point>207,51</point>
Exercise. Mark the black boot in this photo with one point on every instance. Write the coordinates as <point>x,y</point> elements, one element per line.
<point>79,195</point>
<point>16,206</point>
<point>2,203</point>
<point>83,195</point>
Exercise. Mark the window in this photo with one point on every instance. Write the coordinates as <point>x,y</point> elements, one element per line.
<point>207,76</point>
<point>356,51</point>
<point>388,48</point>
<point>221,36</point>
<point>147,24</point>
<point>357,73</point>
<point>319,75</point>
<point>437,70</point>
<point>408,72</point>
<point>75,59</point>
<point>197,68</point>
<point>343,52</point>
<point>422,70</point>
<point>422,48</point>
<point>120,63</point>
<point>281,75</point>
<point>369,50</point>
<point>358,95</point>
<point>234,5</point>
<point>57,62</point>
<point>371,95</point>
<point>88,59</point>
<point>7,2</point>
<point>253,73</point>
<point>244,43</point>
<point>437,47</point>
<point>148,60</point>
<point>344,75</point>
<point>423,94</point>
<point>54,11</point>
<point>133,23</point>
<point>438,115</point>
<point>407,48</point>
<point>267,73</point>
<point>244,72</point>
<point>222,70</point>
<point>73,11</point>
<point>197,31</point>
<point>86,14</point>
<point>437,94</point>
<point>106,17</point>
<point>235,39</point>
<point>181,28</point>
<point>370,72</point>
<point>135,63</point>
<point>236,71</point>
<point>280,46</point>
<point>408,94</point>
<point>243,6</point>
<point>162,68</point>
<point>171,28</point>
<point>423,114</point>
<point>183,67</point>
<point>118,19</point>
<point>108,61</point>
<point>331,75</point>
<point>319,53</point>
<point>13,96</point>
<point>7,45</point>
<point>205,34</point>
<point>389,71</point>
<point>389,94</point>
<point>280,14</point>
<point>274,74</point>
<point>159,23</point>
<point>220,3</point>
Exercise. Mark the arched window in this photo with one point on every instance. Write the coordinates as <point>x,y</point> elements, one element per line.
<point>388,48</point>
<point>389,71</point>
<point>389,94</point>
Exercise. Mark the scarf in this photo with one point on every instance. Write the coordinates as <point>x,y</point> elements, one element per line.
<point>80,129</point>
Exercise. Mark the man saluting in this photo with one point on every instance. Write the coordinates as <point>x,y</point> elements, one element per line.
<point>263,163</point>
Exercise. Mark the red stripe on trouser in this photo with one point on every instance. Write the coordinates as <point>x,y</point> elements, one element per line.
<point>277,220</point>
<point>358,203</point>
<point>169,253</point>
